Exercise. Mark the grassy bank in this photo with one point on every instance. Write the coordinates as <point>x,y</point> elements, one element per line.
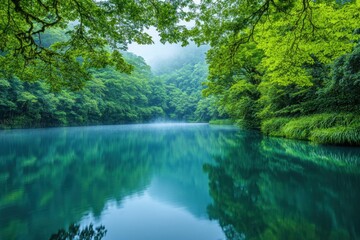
<point>326,128</point>
<point>222,122</point>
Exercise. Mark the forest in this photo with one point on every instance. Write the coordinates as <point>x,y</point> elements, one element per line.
<point>287,68</point>
<point>111,97</point>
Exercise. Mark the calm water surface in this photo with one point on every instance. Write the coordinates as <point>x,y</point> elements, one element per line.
<point>176,181</point>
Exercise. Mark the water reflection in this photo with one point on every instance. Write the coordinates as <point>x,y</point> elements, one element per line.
<point>166,181</point>
<point>51,178</point>
<point>74,231</point>
<point>266,188</point>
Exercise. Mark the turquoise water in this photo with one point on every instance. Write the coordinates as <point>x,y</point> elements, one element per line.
<point>176,181</point>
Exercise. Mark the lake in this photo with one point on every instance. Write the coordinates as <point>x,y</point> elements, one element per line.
<point>176,181</point>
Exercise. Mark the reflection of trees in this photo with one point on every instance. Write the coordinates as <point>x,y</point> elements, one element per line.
<point>276,189</point>
<point>180,179</point>
<point>50,178</point>
<point>334,158</point>
<point>74,231</point>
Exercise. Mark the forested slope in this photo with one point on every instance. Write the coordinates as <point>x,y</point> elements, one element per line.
<point>289,69</point>
<point>109,96</point>
<point>182,77</point>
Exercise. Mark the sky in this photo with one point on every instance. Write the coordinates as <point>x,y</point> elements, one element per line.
<point>156,53</point>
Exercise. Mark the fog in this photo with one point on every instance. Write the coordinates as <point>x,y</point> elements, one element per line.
<point>157,52</point>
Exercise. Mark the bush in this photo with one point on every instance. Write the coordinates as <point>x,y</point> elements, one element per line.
<point>222,122</point>
<point>300,128</point>
<point>273,126</point>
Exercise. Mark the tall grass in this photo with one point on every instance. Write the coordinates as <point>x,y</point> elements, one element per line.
<point>222,122</point>
<point>326,128</point>
<point>273,126</point>
<point>349,135</point>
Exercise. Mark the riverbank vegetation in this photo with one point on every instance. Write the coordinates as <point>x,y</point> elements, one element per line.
<point>291,70</point>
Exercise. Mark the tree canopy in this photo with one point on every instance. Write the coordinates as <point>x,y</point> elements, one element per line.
<point>273,61</point>
<point>290,33</point>
<point>297,30</point>
<point>90,27</point>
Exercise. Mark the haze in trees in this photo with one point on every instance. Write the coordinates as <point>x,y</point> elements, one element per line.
<point>109,97</point>
<point>90,27</point>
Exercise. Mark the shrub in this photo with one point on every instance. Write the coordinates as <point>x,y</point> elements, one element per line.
<point>273,126</point>
<point>222,122</point>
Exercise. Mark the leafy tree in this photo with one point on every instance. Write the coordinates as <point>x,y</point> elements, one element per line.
<point>290,34</point>
<point>110,97</point>
<point>90,28</point>
<point>207,109</point>
<point>341,91</point>
<point>234,81</point>
<point>182,78</point>
<point>273,61</point>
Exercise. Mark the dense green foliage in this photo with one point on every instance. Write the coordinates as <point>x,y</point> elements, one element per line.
<point>183,77</point>
<point>110,97</point>
<point>90,28</point>
<point>286,67</point>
